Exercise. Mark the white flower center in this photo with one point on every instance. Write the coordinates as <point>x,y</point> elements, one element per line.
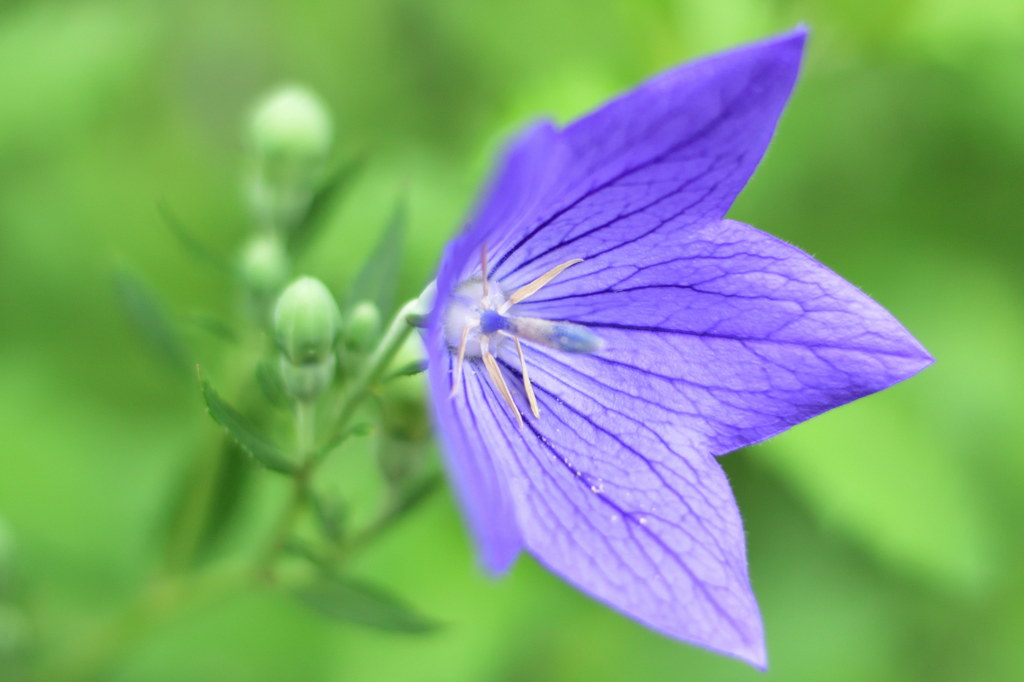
<point>477,323</point>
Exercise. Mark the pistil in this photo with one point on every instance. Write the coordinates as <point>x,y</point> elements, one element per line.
<point>479,315</point>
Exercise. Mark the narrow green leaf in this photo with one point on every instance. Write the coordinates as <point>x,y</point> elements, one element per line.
<point>330,514</point>
<point>377,281</point>
<point>324,199</point>
<point>417,492</point>
<point>269,380</point>
<point>213,325</point>
<point>359,603</point>
<point>187,241</point>
<point>407,370</point>
<point>244,433</point>
<point>232,474</point>
<point>151,320</point>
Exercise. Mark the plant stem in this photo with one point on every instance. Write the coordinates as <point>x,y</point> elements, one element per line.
<point>361,386</point>
<point>375,367</point>
<point>305,445</point>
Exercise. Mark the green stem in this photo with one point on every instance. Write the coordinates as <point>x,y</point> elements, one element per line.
<point>361,386</point>
<point>305,445</point>
<point>375,367</point>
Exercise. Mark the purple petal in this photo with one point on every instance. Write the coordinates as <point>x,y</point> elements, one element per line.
<point>715,335</point>
<point>480,486</point>
<point>672,154</point>
<point>527,175</point>
<point>730,334</point>
<point>613,498</point>
<point>523,178</point>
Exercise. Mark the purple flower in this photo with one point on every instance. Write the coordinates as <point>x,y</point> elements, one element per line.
<point>601,333</point>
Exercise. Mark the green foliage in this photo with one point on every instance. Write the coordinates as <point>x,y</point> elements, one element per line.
<point>353,601</point>
<point>324,199</point>
<point>151,321</point>
<point>245,433</point>
<point>884,538</point>
<point>377,280</point>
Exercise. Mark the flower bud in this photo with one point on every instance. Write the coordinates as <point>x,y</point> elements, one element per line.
<point>291,134</point>
<point>264,264</point>
<point>306,322</point>
<point>291,123</point>
<point>305,382</point>
<point>363,326</point>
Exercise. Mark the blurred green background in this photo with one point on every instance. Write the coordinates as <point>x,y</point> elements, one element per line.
<point>885,538</point>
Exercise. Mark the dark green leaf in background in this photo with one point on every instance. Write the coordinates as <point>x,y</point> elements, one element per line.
<point>377,280</point>
<point>323,201</point>
<point>150,319</point>
<point>360,603</point>
<point>192,246</point>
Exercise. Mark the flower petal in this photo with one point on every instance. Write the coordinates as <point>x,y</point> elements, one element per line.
<point>666,156</point>
<point>524,175</point>
<point>729,334</point>
<point>480,487</point>
<point>616,501</point>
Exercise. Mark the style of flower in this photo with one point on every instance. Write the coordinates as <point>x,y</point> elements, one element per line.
<point>601,333</point>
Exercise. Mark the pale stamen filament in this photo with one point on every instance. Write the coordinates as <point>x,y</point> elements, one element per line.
<point>533,287</point>
<point>526,379</point>
<point>457,380</point>
<point>495,372</point>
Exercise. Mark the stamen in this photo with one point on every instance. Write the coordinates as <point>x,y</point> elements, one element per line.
<point>533,287</point>
<point>457,379</point>
<point>526,380</point>
<point>495,372</point>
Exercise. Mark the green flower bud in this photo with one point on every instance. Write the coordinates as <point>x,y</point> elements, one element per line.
<point>291,134</point>
<point>291,123</point>
<point>264,265</point>
<point>363,326</point>
<point>306,322</point>
<point>307,381</point>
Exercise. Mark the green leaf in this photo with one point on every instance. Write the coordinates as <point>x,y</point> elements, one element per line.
<point>360,603</point>
<point>244,433</point>
<point>417,492</point>
<point>151,320</point>
<point>189,243</point>
<point>232,475</point>
<point>269,380</point>
<point>330,514</point>
<point>891,484</point>
<point>321,203</point>
<point>214,325</point>
<point>377,281</point>
<point>407,370</point>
